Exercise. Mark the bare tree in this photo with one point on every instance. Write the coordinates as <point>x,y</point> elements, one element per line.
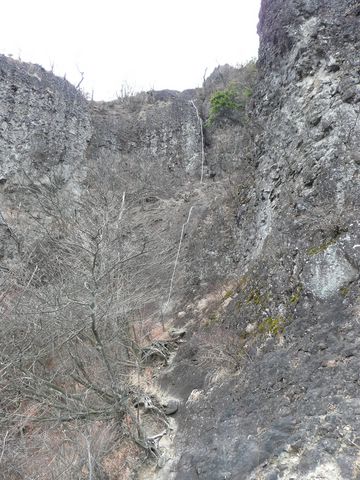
<point>69,347</point>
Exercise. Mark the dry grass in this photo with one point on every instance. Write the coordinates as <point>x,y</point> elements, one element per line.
<point>68,453</point>
<point>122,462</point>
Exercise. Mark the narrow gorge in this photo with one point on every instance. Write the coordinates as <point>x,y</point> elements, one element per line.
<point>179,271</point>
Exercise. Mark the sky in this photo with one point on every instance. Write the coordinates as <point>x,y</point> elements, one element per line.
<point>123,46</point>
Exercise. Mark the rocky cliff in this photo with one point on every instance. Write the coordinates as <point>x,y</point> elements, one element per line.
<point>238,295</point>
<point>292,410</point>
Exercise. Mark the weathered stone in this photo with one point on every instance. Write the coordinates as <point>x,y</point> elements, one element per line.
<point>171,407</point>
<point>45,126</point>
<point>327,272</point>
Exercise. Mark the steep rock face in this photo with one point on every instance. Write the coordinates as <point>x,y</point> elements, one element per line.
<point>44,130</point>
<point>309,172</point>
<point>45,121</point>
<point>153,138</point>
<point>291,411</point>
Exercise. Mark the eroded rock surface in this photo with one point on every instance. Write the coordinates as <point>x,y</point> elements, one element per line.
<point>290,412</point>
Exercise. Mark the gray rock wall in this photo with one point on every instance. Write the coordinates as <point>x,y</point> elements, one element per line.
<point>152,138</point>
<point>308,173</point>
<point>45,122</point>
<point>290,410</point>
<point>45,127</point>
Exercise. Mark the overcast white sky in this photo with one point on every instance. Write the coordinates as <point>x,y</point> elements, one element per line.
<point>144,44</point>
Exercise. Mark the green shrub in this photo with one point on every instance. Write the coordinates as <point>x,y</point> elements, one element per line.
<point>224,102</point>
<point>231,100</point>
